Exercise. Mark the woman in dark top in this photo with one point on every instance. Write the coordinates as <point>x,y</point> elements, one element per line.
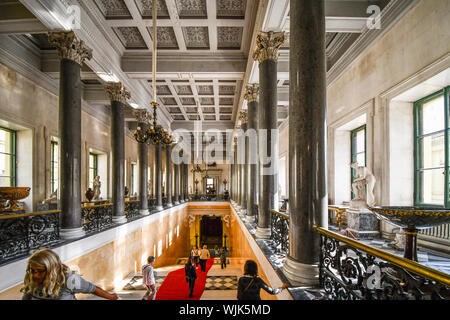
<point>250,284</point>
<point>191,275</point>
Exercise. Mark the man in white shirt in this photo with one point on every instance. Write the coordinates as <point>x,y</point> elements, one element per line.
<point>204,256</point>
<point>149,279</point>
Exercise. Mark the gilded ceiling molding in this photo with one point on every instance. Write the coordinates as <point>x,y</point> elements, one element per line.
<point>268,45</point>
<point>142,115</point>
<point>243,116</point>
<point>117,92</point>
<point>252,93</point>
<point>70,46</point>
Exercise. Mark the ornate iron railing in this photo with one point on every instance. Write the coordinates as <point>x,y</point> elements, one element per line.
<point>280,230</point>
<point>96,218</point>
<point>19,234</point>
<point>350,270</point>
<point>132,209</point>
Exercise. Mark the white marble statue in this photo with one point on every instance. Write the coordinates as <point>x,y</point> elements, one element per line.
<point>53,198</point>
<point>363,178</point>
<point>96,186</point>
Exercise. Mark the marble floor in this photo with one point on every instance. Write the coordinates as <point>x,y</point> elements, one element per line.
<point>220,284</point>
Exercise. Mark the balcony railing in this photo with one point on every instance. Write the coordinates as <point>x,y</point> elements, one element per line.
<point>132,209</point>
<point>350,270</point>
<point>280,230</point>
<point>20,234</point>
<point>96,218</point>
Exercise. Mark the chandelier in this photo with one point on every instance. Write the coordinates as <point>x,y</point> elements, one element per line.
<point>155,134</point>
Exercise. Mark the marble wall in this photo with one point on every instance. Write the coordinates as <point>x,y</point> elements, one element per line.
<point>33,112</point>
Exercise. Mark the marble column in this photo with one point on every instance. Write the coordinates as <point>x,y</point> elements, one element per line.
<point>176,173</point>
<point>72,53</point>
<point>267,52</point>
<point>158,158</point>
<point>169,175</point>
<point>236,172</point>
<point>252,97</point>
<point>186,182</point>
<point>181,166</point>
<point>143,118</point>
<point>118,96</point>
<point>244,165</point>
<point>307,141</point>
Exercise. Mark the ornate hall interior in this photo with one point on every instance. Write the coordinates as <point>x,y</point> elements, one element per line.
<point>310,136</point>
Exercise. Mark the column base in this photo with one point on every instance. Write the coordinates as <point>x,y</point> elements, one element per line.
<point>169,205</point>
<point>144,212</point>
<point>181,201</point>
<point>70,234</point>
<point>263,233</point>
<point>243,211</point>
<point>119,219</point>
<point>300,274</point>
<point>250,219</point>
<point>176,203</point>
<point>159,208</point>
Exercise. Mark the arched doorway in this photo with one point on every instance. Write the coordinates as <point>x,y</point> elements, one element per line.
<point>211,231</point>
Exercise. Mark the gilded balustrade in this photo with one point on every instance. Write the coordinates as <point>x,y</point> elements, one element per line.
<point>20,234</point>
<point>350,270</point>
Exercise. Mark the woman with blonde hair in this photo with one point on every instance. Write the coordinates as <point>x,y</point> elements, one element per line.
<point>47,278</point>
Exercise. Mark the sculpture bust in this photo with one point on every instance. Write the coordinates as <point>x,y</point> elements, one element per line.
<point>96,186</point>
<point>363,178</point>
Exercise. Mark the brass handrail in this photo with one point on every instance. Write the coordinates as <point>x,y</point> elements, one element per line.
<point>410,265</point>
<point>97,206</point>
<point>280,214</point>
<point>30,214</point>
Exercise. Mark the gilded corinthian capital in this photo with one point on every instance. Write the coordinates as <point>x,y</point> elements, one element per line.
<point>142,115</point>
<point>243,116</point>
<point>267,45</point>
<point>70,46</point>
<point>117,92</point>
<point>251,93</point>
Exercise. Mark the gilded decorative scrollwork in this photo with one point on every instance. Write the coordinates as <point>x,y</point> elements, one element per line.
<point>268,45</point>
<point>117,92</point>
<point>251,93</point>
<point>70,46</point>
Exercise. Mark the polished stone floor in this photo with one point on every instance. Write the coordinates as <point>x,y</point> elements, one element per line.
<point>221,284</point>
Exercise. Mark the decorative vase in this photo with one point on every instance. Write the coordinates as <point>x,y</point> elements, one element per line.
<point>89,194</point>
<point>12,195</point>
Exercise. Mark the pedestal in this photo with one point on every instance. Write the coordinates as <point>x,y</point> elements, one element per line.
<point>362,223</point>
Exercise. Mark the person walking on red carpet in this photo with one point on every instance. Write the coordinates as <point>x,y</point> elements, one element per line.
<point>204,256</point>
<point>195,255</point>
<point>191,275</point>
<point>223,257</point>
<point>149,279</point>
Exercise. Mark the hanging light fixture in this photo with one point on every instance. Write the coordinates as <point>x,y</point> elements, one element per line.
<point>155,133</point>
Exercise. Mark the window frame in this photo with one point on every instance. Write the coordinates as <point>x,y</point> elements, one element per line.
<point>353,133</point>
<point>95,164</point>
<point>445,92</point>
<point>13,154</point>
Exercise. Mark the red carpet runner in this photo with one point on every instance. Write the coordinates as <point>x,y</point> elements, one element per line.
<point>175,287</point>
